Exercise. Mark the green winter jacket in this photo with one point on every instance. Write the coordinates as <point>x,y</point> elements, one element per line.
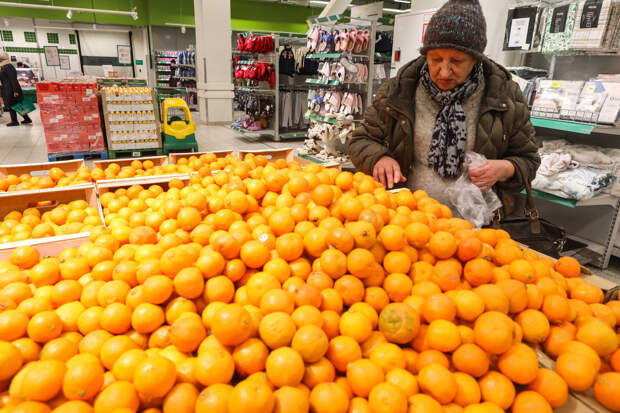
<point>504,128</point>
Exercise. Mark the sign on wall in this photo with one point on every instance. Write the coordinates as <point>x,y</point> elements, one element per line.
<point>52,57</point>
<point>124,54</point>
<point>65,62</point>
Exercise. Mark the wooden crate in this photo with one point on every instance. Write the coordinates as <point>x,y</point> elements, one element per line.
<point>157,160</point>
<point>40,169</point>
<point>10,201</point>
<point>111,185</point>
<point>287,154</point>
<point>174,157</point>
<point>49,246</point>
<point>305,162</point>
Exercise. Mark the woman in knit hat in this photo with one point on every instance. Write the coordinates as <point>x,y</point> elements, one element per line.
<point>11,90</point>
<point>450,100</point>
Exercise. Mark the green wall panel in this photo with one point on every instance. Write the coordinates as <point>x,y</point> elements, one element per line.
<point>245,14</point>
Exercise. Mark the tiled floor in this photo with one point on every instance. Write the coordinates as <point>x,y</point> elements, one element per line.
<point>25,144</point>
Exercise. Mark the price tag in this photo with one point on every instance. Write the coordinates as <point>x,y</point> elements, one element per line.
<point>135,154</point>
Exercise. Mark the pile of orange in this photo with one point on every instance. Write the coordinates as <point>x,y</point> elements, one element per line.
<point>72,218</point>
<point>204,164</point>
<point>271,288</point>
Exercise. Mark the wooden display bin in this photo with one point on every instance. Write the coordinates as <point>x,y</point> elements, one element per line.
<point>157,160</point>
<point>111,185</point>
<point>49,246</point>
<point>274,154</point>
<point>174,157</point>
<point>40,169</point>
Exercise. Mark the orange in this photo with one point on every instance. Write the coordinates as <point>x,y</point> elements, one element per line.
<point>551,386</point>
<point>448,274</point>
<point>214,398</point>
<point>219,288</point>
<point>250,356</point>
<point>471,359</point>
<point>587,293</point>
<point>187,332</point>
<point>24,257</point>
<point>398,286</point>
<point>42,380</point>
<point>530,401</point>
<point>422,403</point>
<point>522,270</point>
<point>117,395</point>
<point>116,318</point>
<point>404,380</point>
<point>230,325</point>
<point>334,262</point>
<point>393,237</point>
<point>360,262</point>
<point>598,335</point>
<point>577,371</point>
<point>251,396</point>
<point>182,398</point>
<point>284,367</point>
<point>389,356</point>
<point>343,350</point>
<point>350,288</point>
<point>322,371</point>
<point>290,400</point>
<point>438,307</point>
<point>535,326</point>
<point>328,398</point>
<point>558,336</point>
<point>363,375</point>
<point>214,365</point>
<point>418,234</point>
<point>516,293</point>
<point>310,342</point>
<point>568,267</point>
<point>189,283</point>
<point>13,324</point>
<point>443,335</point>
<point>399,323</point>
<point>277,300</point>
<point>11,360</point>
<point>468,249</point>
<point>606,390</point>
<point>519,364</point>
<point>493,332</point>
<point>387,398</point>
<point>439,382</point>
<point>83,381</point>
<point>498,389</point>
<point>478,271</point>
<point>277,329</point>
<point>468,390</point>
<point>44,326</point>
<point>469,305</point>
<point>442,245</point>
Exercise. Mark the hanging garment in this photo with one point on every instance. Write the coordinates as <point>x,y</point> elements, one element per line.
<point>287,61</point>
<point>286,109</point>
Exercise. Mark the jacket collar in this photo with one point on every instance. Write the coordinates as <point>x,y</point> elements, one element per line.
<point>495,96</point>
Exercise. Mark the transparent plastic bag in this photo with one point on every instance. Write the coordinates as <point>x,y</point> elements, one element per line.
<point>471,203</point>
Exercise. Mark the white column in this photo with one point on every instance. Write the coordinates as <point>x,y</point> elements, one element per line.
<point>335,7</point>
<point>214,60</point>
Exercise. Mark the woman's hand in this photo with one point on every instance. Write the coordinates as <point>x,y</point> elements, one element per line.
<point>387,171</point>
<point>16,94</point>
<point>492,172</point>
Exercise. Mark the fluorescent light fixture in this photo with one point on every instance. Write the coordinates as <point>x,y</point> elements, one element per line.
<point>322,2</point>
<point>402,1</point>
<point>69,14</point>
<point>180,25</point>
<point>133,13</point>
<point>6,22</point>
<point>183,29</point>
<point>396,10</point>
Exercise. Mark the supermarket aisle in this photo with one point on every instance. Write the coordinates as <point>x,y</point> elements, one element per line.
<point>26,144</point>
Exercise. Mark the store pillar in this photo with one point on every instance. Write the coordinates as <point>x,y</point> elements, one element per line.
<point>213,60</point>
<point>335,7</point>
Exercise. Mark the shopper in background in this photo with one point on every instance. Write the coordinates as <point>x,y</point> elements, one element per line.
<point>11,90</point>
<point>450,100</point>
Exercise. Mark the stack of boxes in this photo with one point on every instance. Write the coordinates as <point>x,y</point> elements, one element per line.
<point>131,118</point>
<point>70,116</point>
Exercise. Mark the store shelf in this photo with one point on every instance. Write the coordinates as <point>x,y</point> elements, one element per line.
<point>575,127</point>
<point>184,65</point>
<point>334,55</point>
<point>599,200</point>
<point>253,132</point>
<point>187,77</point>
<point>322,119</point>
<point>192,89</point>
<point>253,89</point>
<point>324,83</point>
<point>294,135</point>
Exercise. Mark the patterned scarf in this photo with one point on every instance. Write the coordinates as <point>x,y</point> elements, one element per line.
<point>447,151</point>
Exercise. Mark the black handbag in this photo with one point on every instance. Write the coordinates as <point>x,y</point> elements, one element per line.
<point>535,232</point>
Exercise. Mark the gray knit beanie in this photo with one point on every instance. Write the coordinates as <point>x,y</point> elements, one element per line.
<point>458,24</point>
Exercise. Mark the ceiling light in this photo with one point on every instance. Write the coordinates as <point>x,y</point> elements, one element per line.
<point>319,2</point>
<point>402,1</point>
<point>69,14</point>
<point>134,14</point>
<point>6,22</point>
<point>183,30</point>
<point>180,25</point>
<point>396,10</point>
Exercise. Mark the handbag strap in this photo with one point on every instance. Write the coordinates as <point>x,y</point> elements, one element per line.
<point>530,210</point>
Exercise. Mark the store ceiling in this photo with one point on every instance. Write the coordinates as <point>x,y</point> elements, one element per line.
<point>391,4</point>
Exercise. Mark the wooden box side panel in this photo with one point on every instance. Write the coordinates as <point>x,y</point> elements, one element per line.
<point>40,169</point>
<point>157,160</point>
<point>174,157</point>
<point>275,154</point>
<point>10,201</point>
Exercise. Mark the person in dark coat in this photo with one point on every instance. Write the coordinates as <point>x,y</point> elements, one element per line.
<point>11,90</point>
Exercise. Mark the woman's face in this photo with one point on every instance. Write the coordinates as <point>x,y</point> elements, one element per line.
<point>449,67</point>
